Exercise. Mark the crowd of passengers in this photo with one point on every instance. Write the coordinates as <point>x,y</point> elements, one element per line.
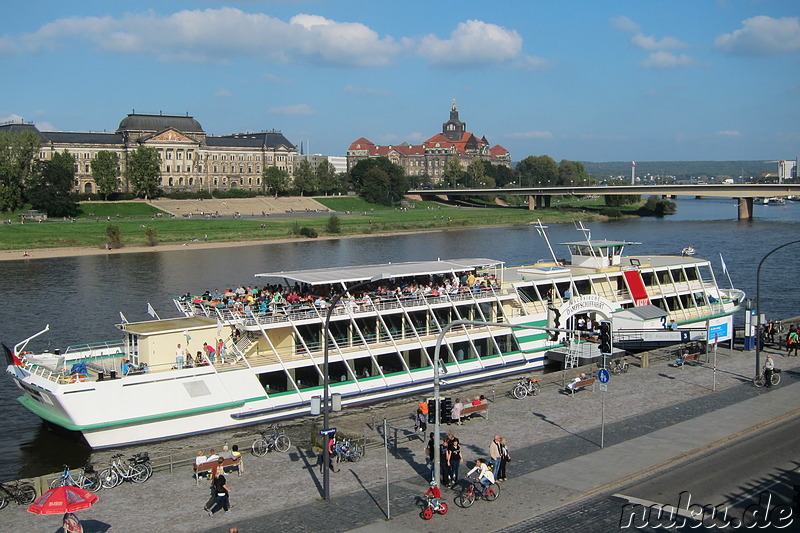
<point>280,299</point>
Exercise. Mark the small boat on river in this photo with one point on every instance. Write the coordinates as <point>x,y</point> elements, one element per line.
<point>260,349</point>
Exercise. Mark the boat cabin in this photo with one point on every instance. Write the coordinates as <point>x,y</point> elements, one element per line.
<point>596,254</point>
<point>154,343</point>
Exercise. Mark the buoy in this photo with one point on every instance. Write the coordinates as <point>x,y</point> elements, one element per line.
<point>77,378</point>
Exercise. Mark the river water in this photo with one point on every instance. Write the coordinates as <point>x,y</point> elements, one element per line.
<point>81,297</point>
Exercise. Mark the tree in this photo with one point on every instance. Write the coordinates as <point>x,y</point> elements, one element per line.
<point>476,172</point>
<point>144,171</point>
<point>571,173</point>
<point>50,188</point>
<point>536,171</point>
<point>327,181</point>
<point>275,179</point>
<point>105,169</point>
<point>17,154</point>
<point>394,188</point>
<point>305,180</point>
<point>617,200</point>
<point>453,172</point>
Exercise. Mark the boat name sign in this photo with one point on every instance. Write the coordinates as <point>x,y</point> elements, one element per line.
<point>588,302</point>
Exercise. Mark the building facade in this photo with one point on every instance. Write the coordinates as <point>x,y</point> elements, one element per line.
<point>191,160</point>
<point>430,157</point>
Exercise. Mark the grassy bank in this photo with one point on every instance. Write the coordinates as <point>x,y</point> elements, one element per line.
<point>357,218</point>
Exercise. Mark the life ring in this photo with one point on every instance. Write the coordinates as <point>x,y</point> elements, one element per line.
<point>24,353</point>
<point>77,378</point>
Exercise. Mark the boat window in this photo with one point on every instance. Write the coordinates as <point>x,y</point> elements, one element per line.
<point>678,275</point>
<point>528,294</point>
<point>306,377</point>
<point>274,382</point>
<point>663,277</point>
<point>390,363</point>
<point>582,287</point>
<point>692,274</point>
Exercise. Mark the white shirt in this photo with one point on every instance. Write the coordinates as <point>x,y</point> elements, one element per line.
<point>485,473</point>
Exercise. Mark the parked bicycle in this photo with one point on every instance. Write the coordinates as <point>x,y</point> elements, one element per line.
<point>143,459</point>
<point>620,366</point>
<point>524,387</point>
<point>350,451</point>
<point>87,479</point>
<point>475,490</point>
<point>278,440</point>
<point>119,471</point>
<point>17,492</point>
<point>760,380</point>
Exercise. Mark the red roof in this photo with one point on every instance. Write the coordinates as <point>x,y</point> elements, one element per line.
<point>498,151</point>
<point>362,144</point>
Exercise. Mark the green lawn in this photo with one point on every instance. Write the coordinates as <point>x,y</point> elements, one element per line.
<point>134,217</point>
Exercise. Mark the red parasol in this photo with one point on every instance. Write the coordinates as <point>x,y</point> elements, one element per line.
<point>66,499</point>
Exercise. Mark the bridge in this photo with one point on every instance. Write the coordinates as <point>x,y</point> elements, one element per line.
<point>539,197</point>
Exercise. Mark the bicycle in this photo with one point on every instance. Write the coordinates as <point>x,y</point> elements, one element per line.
<point>348,450</point>
<point>143,459</point>
<point>19,493</point>
<point>429,509</point>
<point>87,479</point>
<point>474,490</point>
<point>278,440</point>
<point>760,380</point>
<point>620,366</point>
<point>119,471</point>
<point>524,387</point>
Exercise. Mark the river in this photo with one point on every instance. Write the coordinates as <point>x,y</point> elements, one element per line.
<point>81,297</point>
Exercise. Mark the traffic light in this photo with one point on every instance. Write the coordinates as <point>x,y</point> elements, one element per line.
<point>447,408</point>
<point>431,411</point>
<point>605,337</point>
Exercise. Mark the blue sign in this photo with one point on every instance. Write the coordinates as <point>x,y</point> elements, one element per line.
<point>328,431</point>
<point>603,375</point>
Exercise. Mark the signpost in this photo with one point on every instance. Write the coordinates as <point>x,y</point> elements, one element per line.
<point>603,376</point>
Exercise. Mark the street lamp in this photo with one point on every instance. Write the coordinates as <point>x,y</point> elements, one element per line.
<point>325,400</point>
<point>758,302</point>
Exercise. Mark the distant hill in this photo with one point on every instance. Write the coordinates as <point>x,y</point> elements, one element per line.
<point>682,169</point>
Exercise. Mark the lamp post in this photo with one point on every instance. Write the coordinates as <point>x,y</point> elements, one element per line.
<point>436,362</point>
<point>325,400</point>
<point>758,303</point>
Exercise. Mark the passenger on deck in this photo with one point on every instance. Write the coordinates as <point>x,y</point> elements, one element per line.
<point>189,361</point>
<point>126,367</point>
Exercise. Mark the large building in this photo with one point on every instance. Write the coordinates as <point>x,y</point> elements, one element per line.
<point>430,157</point>
<point>190,159</point>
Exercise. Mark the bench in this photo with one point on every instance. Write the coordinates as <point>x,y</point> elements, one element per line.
<point>582,384</point>
<point>207,468</point>
<point>473,409</point>
<point>687,358</point>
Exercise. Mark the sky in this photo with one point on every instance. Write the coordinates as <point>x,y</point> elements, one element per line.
<point>584,80</point>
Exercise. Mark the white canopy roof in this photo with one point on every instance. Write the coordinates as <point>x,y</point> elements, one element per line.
<point>352,274</point>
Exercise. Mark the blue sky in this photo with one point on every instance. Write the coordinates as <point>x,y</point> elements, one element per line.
<point>585,80</point>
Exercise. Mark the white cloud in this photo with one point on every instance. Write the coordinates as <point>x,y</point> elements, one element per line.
<point>223,93</point>
<point>762,35</point>
<point>214,35</point>
<point>624,24</point>
<point>530,135</point>
<point>45,126</point>
<point>729,133</point>
<point>534,63</point>
<point>651,43</point>
<point>13,117</point>
<point>473,43</point>
<point>667,60</point>
<point>299,109</point>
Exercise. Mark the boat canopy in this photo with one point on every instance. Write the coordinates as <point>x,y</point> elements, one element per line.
<point>353,274</point>
<point>596,254</point>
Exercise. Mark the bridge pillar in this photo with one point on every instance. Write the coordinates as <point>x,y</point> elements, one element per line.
<point>532,202</point>
<point>745,208</point>
<point>547,200</point>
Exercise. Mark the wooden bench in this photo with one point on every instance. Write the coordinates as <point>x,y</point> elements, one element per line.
<point>473,409</point>
<point>208,467</point>
<point>688,358</point>
<point>582,384</point>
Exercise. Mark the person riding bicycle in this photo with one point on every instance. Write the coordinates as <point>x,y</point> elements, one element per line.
<point>435,493</point>
<point>485,474</point>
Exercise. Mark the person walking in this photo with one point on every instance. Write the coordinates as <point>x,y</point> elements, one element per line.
<point>454,459</point>
<point>222,493</point>
<point>495,454</point>
<point>505,458</point>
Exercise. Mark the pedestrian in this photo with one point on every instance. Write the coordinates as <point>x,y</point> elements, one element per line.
<point>222,493</point>
<point>505,459</point>
<point>455,412</point>
<point>421,421</point>
<point>429,451</point>
<point>495,454</point>
<point>333,458</point>
<point>453,459</point>
<point>793,342</point>
<point>769,367</point>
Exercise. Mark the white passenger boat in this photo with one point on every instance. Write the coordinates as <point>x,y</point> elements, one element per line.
<point>380,341</point>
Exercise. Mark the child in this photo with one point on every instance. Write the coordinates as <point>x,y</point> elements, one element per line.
<point>435,494</point>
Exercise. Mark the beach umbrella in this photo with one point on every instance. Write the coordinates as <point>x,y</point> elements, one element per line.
<point>65,499</point>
